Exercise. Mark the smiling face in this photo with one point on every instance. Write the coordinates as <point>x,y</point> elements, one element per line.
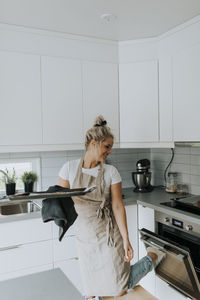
<point>103,149</point>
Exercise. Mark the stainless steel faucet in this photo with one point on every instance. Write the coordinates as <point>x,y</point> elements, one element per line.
<point>4,173</point>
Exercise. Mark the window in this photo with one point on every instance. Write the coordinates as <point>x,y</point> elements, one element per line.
<point>20,165</point>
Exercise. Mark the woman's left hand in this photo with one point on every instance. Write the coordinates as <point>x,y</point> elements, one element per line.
<point>128,250</point>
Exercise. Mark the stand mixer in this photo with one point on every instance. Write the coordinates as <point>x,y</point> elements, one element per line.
<point>142,177</point>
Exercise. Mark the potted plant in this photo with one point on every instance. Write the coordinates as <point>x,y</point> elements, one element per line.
<point>28,179</point>
<point>10,179</point>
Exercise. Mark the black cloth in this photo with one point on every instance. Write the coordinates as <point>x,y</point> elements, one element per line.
<point>59,210</point>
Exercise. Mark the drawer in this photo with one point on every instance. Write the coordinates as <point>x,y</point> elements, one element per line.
<point>65,249</point>
<point>25,256</point>
<point>55,229</point>
<point>24,272</point>
<point>25,231</point>
<point>72,271</point>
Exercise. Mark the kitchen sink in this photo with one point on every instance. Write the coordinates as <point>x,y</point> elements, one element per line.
<point>19,208</point>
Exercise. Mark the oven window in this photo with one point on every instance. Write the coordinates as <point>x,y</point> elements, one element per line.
<point>189,241</point>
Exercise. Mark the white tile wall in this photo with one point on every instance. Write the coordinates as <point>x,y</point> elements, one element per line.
<point>51,162</point>
<point>186,162</point>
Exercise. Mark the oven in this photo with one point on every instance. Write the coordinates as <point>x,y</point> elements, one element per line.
<point>180,240</point>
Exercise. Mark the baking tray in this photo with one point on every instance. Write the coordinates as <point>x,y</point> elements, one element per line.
<point>41,195</point>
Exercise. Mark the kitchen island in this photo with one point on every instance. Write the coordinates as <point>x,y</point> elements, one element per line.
<point>48,285</point>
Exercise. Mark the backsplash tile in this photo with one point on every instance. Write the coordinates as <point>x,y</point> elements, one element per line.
<point>186,162</point>
<point>51,162</point>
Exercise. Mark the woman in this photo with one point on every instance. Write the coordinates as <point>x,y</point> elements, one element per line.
<point>101,228</point>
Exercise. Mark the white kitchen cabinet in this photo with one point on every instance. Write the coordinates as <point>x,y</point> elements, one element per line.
<point>25,256</point>
<point>66,249</point>
<point>138,86</point>
<point>100,94</point>
<point>24,232</point>
<point>131,214</point>
<point>146,220</point>
<point>25,247</point>
<point>165,100</point>
<point>20,98</point>
<point>186,95</point>
<point>65,256</point>
<point>62,109</point>
<point>166,292</point>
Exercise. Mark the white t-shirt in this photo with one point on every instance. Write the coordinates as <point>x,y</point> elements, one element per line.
<point>69,170</point>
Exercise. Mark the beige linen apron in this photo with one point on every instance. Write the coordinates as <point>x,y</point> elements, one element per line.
<point>101,254</point>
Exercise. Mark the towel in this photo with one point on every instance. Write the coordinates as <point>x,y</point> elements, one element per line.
<point>59,210</point>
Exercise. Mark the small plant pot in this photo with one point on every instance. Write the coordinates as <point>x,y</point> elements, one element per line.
<point>10,188</point>
<point>28,187</point>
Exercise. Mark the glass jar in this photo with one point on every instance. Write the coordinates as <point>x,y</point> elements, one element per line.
<point>171,184</point>
<point>182,189</point>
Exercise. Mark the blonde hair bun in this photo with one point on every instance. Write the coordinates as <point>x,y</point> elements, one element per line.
<point>99,132</point>
<point>100,121</point>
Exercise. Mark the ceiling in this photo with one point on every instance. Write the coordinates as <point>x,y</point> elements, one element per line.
<point>134,19</point>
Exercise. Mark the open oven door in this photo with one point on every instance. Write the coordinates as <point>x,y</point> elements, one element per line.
<point>176,268</point>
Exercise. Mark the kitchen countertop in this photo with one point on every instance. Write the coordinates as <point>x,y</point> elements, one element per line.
<point>47,285</point>
<point>151,200</point>
<point>154,198</point>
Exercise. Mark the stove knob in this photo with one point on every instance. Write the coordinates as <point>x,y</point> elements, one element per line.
<point>166,220</point>
<point>188,227</point>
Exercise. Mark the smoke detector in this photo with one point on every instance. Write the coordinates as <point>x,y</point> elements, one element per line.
<point>108,18</point>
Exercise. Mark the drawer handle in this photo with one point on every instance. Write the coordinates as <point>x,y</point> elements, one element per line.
<point>10,247</point>
<point>75,258</point>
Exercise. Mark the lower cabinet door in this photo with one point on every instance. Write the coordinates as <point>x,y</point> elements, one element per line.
<point>166,292</point>
<point>19,257</point>
<point>72,270</point>
<point>131,214</point>
<point>146,220</point>
<point>66,249</point>
<point>24,272</point>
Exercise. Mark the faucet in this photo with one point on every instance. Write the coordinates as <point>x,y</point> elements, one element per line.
<point>4,173</point>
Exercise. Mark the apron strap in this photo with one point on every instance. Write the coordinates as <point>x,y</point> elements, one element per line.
<point>105,212</point>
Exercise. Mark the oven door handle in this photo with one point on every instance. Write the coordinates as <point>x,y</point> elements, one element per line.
<point>152,243</point>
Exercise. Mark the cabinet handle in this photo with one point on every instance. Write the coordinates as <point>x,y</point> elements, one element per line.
<point>75,258</point>
<point>10,247</point>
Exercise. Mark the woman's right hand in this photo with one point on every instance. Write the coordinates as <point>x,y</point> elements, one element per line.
<point>129,252</point>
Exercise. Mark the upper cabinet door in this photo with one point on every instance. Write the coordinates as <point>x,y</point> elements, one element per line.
<point>100,95</point>
<point>138,83</point>
<point>20,99</point>
<point>61,101</point>
<point>186,95</point>
<point>165,99</point>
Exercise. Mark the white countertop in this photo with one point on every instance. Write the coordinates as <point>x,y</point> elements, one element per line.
<point>47,285</point>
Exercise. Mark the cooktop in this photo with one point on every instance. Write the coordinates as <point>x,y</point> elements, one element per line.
<point>189,204</point>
